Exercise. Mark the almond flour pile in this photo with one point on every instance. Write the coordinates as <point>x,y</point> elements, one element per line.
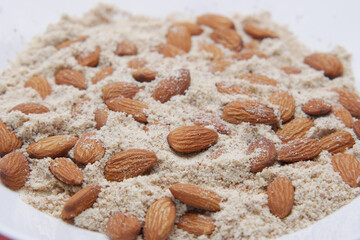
<point>211,127</point>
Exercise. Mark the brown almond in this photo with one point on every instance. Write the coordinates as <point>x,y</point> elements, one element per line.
<point>296,128</point>
<point>191,138</point>
<point>128,106</point>
<point>337,142</point>
<point>179,36</point>
<point>257,32</point>
<point>300,149</point>
<point>101,116</point>
<point>69,42</point>
<point>231,88</point>
<point>350,101</point>
<point>193,28</point>
<point>66,171</point>
<point>249,111</point>
<point>215,21</point>
<point>228,38</point>
<point>258,79</point>
<point>55,146</point>
<point>88,149</point>
<point>14,170</point>
<point>169,50</point>
<point>217,123</point>
<point>356,128</point>
<point>123,227</point>
<point>246,55</point>
<point>30,108</point>
<point>262,154</point>
<point>40,84</point>
<point>291,70</point>
<point>196,196</point>
<point>144,75</point>
<point>103,73</point>
<point>136,63</point>
<point>330,64</point>
<point>71,78</point>
<point>348,167</point>
<point>219,65</point>
<point>286,104</point>
<point>8,140</point>
<point>126,48</point>
<point>80,201</point>
<point>252,45</point>
<point>280,197</point>
<point>216,52</point>
<point>342,114</point>
<point>90,59</point>
<point>80,106</point>
<point>196,223</point>
<point>316,107</point>
<point>160,219</point>
<point>120,89</point>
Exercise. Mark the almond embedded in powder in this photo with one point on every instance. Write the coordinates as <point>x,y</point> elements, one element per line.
<point>101,116</point>
<point>258,79</point>
<point>342,114</point>
<point>123,227</point>
<point>90,59</point>
<point>66,171</point>
<point>128,106</point>
<point>286,104</point>
<point>40,84</point>
<point>196,223</point>
<point>211,120</point>
<point>316,107</point>
<point>8,140</point>
<point>69,42</point>
<point>231,88</point>
<point>257,32</point>
<point>300,149</point>
<point>144,75</point>
<point>337,142</point>
<point>169,50</point>
<point>280,197</point>
<point>179,36</point>
<point>246,55</point>
<point>296,128</point>
<point>30,108</point>
<point>228,38</point>
<point>136,63</point>
<point>193,28</point>
<point>88,149</point>
<point>125,48</point>
<point>215,21</point>
<point>348,167</point>
<point>262,154</point>
<point>103,73</point>
<point>71,78</point>
<point>120,89</point>
<point>328,63</point>
<point>350,100</point>
<point>14,170</point>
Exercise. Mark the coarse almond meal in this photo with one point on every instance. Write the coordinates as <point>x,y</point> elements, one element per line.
<point>179,128</point>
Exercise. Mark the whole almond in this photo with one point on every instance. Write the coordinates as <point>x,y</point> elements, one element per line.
<point>258,79</point>
<point>286,104</point>
<point>90,59</point>
<point>252,45</point>
<point>291,70</point>
<point>88,149</point>
<point>356,128</point>
<point>350,100</point>
<point>196,196</point>
<point>179,36</point>
<point>348,167</point>
<point>193,28</point>
<point>144,75</point>
<point>249,111</point>
<point>80,201</point>
<point>342,114</point>
<point>169,50</point>
<point>337,142</point>
<point>101,116</point>
<point>66,171</point>
<point>120,89</point>
<point>219,65</point>
<point>246,55</point>
<point>176,84</point>
<point>8,140</point>
<point>55,146</point>
<point>72,78</point>
<point>216,52</point>
<point>126,48</point>
<point>296,128</point>
<point>280,197</point>
<point>228,38</point>
<point>30,108</point>
<point>128,106</point>
<point>196,223</point>
<point>40,84</point>
<point>103,73</point>
<point>69,42</point>
<point>123,227</point>
<point>14,170</point>
<point>217,123</point>
<point>160,219</point>
<point>136,63</point>
<point>215,21</point>
<point>262,154</point>
<point>316,107</point>
<point>300,149</point>
<point>129,164</point>
<point>330,64</point>
<point>81,106</point>
<point>231,88</point>
<point>257,32</point>
<point>191,138</point>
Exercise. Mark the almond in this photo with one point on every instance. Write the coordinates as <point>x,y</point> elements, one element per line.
<point>215,21</point>
<point>196,223</point>
<point>8,140</point>
<point>228,38</point>
<point>128,106</point>
<point>128,164</point>
<point>246,55</point>
<point>148,126</point>
<point>300,149</point>
<point>88,149</point>
<point>330,64</point>
<point>291,70</point>
<point>196,196</point>
<point>137,63</point>
<point>179,36</point>
<point>69,42</point>
<point>191,138</point>
<point>216,52</point>
<point>262,154</point>
<point>252,45</point>
<point>231,88</point>
<point>176,84</point>
<point>144,75</point>
<point>101,116</point>
<point>219,65</point>
<point>120,89</point>
<point>356,128</point>
<point>193,28</point>
<point>30,108</point>
<point>123,227</point>
<point>258,79</point>
<point>316,107</point>
<point>348,167</point>
<point>350,100</point>
<point>90,59</point>
<point>160,219</point>
<point>80,201</point>
<point>249,111</point>
<point>40,84</point>
<point>280,197</point>
<point>296,128</point>
<point>72,78</point>
<point>55,146</point>
<point>217,123</point>
<point>169,50</point>
<point>103,73</point>
<point>126,48</point>
<point>255,31</point>
<point>66,171</point>
<point>337,142</point>
<point>342,114</point>
<point>81,106</point>
<point>14,170</point>
<point>286,104</point>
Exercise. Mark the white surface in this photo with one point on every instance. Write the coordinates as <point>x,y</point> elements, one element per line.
<point>319,24</point>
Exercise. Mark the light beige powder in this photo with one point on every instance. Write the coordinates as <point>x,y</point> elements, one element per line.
<point>244,214</point>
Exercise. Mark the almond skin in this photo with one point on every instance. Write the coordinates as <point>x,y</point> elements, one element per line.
<point>8,140</point>
<point>123,227</point>
<point>291,70</point>
<point>350,101</point>
<point>356,128</point>
<point>219,65</point>
<point>228,38</point>
<point>169,50</point>
<point>80,106</point>
<point>215,21</point>
<point>231,88</point>
<point>316,107</point>
<point>257,32</point>
<point>179,36</point>
<point>280,197</point>
<point>66,171</point>
<point>40,84</point>
<point>296,128</point>
<point>103,73</point>
<point>120,89</point>
<point>88,149</point>
<point>90,59</point>
<point>80,201</point>
<point>55,146</point>
<point>129,164</point>
<point>126,48</point>
<point>193,28</point>
<point>101,116</point>
<point>286,104</point>
<point>348,167</point>
<point>196,196</point>
<point>249,111</point>
<point>196,223</point>
<point>262,154</point>
<point>137,63</point>
<point>258,79</point>
<point>191,138</point>
<point>69,42</point>
<point>216,52</point>
<point>128,106</point>
<point>71,78</point>
<point>30,108</point>
<point>337,142</point>
<point>246,55</point>
<point>300,149</point>
<point>144,75</point>
<point>342,114</point>
<point>217,123</point>
<point>14,170</point>
<point>330,64</point>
